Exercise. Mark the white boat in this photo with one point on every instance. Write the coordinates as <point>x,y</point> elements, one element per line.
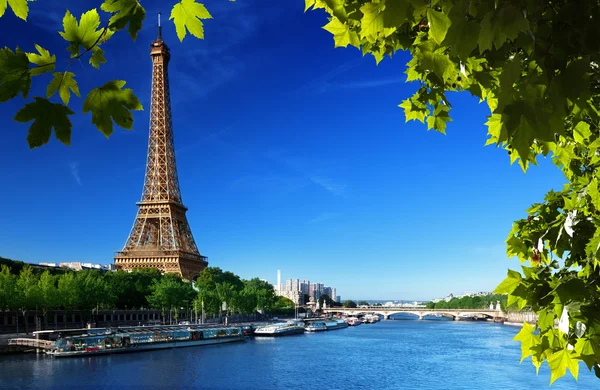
<point>353,321</point>
<point>280,329</point>
<point>315,326</point>
<point>333,324</point>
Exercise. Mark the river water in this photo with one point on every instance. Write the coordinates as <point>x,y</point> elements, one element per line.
<point>388,355</point>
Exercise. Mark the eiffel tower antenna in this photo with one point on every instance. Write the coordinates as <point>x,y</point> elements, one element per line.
<point>159,29</point>
<point>161,237</point>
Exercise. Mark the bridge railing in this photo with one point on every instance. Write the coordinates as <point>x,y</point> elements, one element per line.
<point>393,308</point>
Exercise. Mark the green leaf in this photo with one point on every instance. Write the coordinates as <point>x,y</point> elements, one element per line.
<point>486,34</point>
<point>585,349</point>
<point>527,339</point>
<point>581,132</point>
<point>337,8</point>
<point>14,74</point>
<point>438,62</point>
<point>97,57</point>
<point>44,61</point>
<point>462,39</point>
<point>395,13</point>
<point>594,193</point>
<point>83,34</point>
<point>439,25</point>
<point>45,116</point>
<point>372,20</point>
<point>19,8</point>
<point>342,34</point>
<point>414,110</point>
<point>125,12</point>
<point>111,103</point>
<point>496,130</point>
<point>560,361</point>
<point>545,320</point>
<point>188,14</point>
<point>63,82</point>
<point>509,284</point>
<point>438,120</point>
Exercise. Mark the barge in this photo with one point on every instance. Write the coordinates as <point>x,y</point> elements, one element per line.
<point>280,329</point>
<point>108,341</point>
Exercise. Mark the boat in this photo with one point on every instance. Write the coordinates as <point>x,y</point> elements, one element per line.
<point>108,341</point>
<point>279,329</point>
<point>334,323</point>
<point>315,326</point>
<point>353,321</point>
<point>371,319</point>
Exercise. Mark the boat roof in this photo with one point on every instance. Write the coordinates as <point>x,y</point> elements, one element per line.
<point>131,329</point>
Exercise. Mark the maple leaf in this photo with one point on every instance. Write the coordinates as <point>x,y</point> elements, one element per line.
<point>125,12</point>
<point>44,61</point>
<point>97,57</point>
<point>63,82</point>
<point>509,284</point>
<point>111,103</point>
<point>440,23</point>
<point>372,21</point>
<point>559,362</point>
<point>45,116</point>
<point>527,339</point>
<point>14,74</point>
<point>342,34</point>
<point>85,33</point>
<point>19,8</point>
<point>187,15</point>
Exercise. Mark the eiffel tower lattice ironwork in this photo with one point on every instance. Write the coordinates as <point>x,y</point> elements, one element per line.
<point>161,236</point>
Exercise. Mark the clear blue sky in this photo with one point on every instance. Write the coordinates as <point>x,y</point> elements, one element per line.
<point>292,155</point>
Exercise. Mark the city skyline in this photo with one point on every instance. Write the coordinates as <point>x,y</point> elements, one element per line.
<point>374,202</point>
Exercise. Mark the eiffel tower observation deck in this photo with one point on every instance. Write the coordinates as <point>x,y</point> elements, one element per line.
<point>161,237</point>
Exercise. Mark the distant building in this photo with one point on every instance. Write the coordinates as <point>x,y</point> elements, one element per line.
<point>79,266</point>
<point>338,298</point>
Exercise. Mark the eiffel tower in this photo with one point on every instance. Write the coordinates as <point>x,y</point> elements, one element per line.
<point>161,236</point>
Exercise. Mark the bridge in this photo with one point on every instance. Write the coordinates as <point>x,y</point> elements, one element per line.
<point>420,312</point>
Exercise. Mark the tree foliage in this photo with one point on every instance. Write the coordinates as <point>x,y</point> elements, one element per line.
<point>349,304</point>
<point>85,37</point>
<point>470,302</point>
<point>536,66</point>
<point>216,287</point>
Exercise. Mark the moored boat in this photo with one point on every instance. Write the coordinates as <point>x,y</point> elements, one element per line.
<point>279,329</point>
<point>106,341</point>
<point>315,326</point>
<point>333,324</point>
<point>353,321</point>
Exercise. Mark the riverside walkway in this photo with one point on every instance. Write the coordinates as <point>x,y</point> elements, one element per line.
<point>421,312</point>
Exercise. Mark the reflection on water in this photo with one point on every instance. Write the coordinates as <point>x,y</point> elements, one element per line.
<point>390,354</point>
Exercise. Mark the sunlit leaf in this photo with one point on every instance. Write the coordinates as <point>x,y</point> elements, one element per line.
<point>111,103</point>
<point>125,12</point>
<point>19,8</point>
<point>64,83</point>
<point>188,15</point>
<point>44,61</point>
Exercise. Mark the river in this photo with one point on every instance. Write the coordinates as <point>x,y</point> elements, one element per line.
<point>388,355</point>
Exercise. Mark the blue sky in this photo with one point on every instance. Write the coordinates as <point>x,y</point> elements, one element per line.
<point>292,155</point>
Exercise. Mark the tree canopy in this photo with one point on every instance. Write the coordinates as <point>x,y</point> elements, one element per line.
<point>535,64</point>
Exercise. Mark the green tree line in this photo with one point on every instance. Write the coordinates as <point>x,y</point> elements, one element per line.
<point>471,302</point>
<point>32,289</point>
